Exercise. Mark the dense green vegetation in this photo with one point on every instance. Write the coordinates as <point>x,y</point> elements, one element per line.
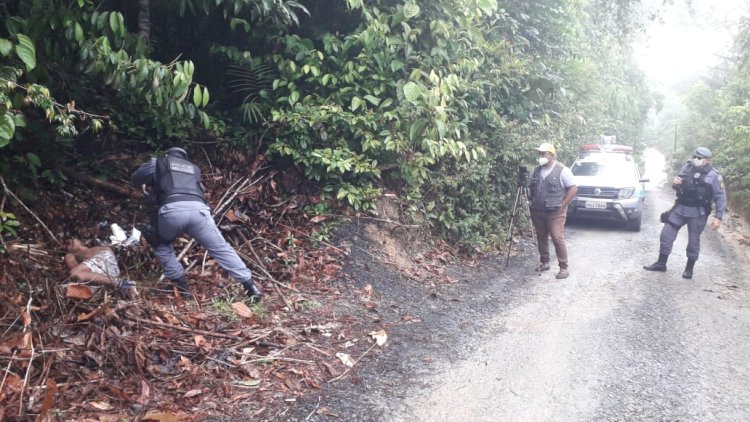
<point>438,101</point>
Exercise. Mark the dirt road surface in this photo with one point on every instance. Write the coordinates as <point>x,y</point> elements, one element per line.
<point>612,342</point>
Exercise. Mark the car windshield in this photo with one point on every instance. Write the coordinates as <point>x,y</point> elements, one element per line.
<point>607,170</point>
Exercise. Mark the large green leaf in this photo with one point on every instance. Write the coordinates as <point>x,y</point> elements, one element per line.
<point>26,52</point>
<point>487,6</point>
<point>78,32</point>
<point>372,99</point>
<point>205,96</point>
<point>235,22</point>
<point>7,129</point>
<point>5,46</point>
<point>411,10</point>
<point>416,129</point>
<point>197,96</point>
<point>19,120</point>
<point>356,102</point>
<point>412,92</point>
<point>115,22</point>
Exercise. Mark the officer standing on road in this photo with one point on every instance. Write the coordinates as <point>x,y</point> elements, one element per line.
<point>182,208</point>
<point>552,187</point>
<point>697,185</point>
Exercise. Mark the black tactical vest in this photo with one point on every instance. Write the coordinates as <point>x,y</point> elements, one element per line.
<point>694,191</point>
<point>547,194</point>
<point>177,180</point>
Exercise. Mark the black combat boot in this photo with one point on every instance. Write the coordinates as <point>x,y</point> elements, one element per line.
<point>182,285</point>
<point>688,273</point>
<point>251,290</point>
<point>659,265</point>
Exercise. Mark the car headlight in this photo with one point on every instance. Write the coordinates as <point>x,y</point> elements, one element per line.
<point>625,193</point>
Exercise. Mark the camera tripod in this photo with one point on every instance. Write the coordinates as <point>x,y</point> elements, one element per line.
<point>521,204</point>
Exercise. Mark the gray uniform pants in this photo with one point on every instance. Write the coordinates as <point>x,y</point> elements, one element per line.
<point>194,218</point>
<point>669,232</point>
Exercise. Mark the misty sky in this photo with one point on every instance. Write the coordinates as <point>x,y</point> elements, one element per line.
<point>682,44</point>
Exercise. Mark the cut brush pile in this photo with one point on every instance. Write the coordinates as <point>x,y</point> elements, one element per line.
<point>81,352</point>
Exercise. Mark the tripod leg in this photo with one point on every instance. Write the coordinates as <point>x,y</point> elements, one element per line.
<point>509,236</point>
<point>527,208</point>
<point>513,214</point>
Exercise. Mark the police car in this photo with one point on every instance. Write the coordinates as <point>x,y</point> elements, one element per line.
<point>610,186</point>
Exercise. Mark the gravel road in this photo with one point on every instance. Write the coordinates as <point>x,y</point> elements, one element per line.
<point>612,342</point>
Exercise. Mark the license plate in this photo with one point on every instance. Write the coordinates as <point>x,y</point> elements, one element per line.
<point>595,204</point>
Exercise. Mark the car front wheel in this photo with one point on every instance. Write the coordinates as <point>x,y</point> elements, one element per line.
<point>634,225</point>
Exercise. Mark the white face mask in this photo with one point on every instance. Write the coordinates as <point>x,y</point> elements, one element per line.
<point>699,162</point>
<point>543,161</point>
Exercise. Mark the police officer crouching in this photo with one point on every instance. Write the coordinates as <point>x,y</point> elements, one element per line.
<point>697,184</point>
<point>181,207</point>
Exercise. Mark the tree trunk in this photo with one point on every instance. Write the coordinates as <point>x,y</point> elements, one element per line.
<point>144,19</point>
<point>125,190</point>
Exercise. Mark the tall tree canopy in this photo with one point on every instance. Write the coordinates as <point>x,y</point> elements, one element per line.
<point>439,101</point>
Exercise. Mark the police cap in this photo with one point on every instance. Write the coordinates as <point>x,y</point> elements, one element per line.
<point>177,152</point>
<point>703,152</point>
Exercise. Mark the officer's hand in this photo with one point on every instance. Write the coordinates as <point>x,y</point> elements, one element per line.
<point>715,224</point>
<point>677,180</point>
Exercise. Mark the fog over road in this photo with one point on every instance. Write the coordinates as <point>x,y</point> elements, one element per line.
<point>612,342</point>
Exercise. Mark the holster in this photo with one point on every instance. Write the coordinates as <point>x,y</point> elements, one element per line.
<point>151,233</point>
<point>664,217</point>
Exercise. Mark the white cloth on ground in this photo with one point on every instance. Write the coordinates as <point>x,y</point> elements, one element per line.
<point>104,263</point>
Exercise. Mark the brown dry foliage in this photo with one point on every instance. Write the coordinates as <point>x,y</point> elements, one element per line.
<point>71,352</point>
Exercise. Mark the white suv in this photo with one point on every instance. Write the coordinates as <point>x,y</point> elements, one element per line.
<point>610,187</point>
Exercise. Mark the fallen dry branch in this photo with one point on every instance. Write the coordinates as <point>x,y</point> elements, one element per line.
<point>185,329</point>
<point>126,191</point>
<point>32,250</point>
<point>29,343</point>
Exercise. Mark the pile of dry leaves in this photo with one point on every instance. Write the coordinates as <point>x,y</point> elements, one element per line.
<point>77,352</point>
